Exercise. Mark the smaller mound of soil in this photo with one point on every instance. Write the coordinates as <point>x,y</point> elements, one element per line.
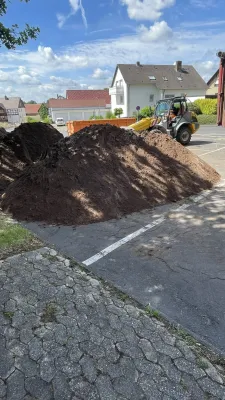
<point>30,142</point>
<point>105,172</point>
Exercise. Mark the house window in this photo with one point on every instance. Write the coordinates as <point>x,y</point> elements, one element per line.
<point>119,83</point>
<point>120,100</point>
<point>168,96</point>
<point>165,78</point>
<point>216,83</point>
<point>152,78</point>
<point>151,98</point>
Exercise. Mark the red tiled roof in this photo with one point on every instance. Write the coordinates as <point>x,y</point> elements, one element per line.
<point>89,95</point>
<point>64,103</point>
<point>32,108</point>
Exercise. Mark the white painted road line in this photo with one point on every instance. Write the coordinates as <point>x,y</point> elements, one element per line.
<point>146,228</point>
<point>209,152</point>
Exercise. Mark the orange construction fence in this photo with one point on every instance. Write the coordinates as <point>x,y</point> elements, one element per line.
<point>75,126</point>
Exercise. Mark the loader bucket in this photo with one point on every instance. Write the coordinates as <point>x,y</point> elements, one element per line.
<point>142,125</point>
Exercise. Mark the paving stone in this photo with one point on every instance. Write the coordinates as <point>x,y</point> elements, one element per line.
<point>88,368</point>
<point>2,388</point>
<point>80,387</point>
<point>128,389</point>
<point>61,387</point>
<point>169,368</point>
<point>105,388</point>
<point>149,388</point>
<point>98,348</point>
<point>212,387</point>
<point>47,368</point>
<point>26,335</point>
<point>27,366</point>
<point>188,367</point>
<point>185,349</point>
<point>35,349</point>
<point>68,367</point>
<point>148,350</point>
<point>15,386</point>
<point>39,389</point>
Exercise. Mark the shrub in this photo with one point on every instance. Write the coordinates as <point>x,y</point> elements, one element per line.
<point>118,112</point>
<point>96,117</point>
<point>147,112</point>
<point>110,115</point>
<point>47,120</point>
<point>195,108</point>
<point>207,106</point>
<point>31,120</point>
<point>207,119</point>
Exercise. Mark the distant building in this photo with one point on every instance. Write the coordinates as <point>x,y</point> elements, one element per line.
<point>213,83</point>
<point>15,109</point>
<point>143,85</point>
<point>80,105</point>
<point>32,110</point>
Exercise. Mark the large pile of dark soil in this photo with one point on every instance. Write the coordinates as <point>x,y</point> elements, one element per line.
<point>23,146</point>
<point>105,172</point>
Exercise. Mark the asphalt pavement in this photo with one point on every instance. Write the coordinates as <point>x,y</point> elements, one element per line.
<point>172,257</point>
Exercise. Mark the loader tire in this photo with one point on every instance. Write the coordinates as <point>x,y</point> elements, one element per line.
<point>184,136</point>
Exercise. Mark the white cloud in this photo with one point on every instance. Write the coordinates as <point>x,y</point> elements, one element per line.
<point>203,3</point>
<point>158,31</point>
<point>101,73</point>
<point>146,9</point>
<point>76,5</point>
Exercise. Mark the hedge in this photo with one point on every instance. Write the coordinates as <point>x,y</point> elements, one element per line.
<point>207,119</point>
<point>207,106</point>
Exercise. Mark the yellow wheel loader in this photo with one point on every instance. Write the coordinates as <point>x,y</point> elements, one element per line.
<point>171,116</point>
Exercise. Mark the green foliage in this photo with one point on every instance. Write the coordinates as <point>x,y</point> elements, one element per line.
<point>96,117</point>
<point>43,111</point>
<point>13,37</point>
<point>118,112</point>
<point>207,119</point>
<point>31,102</point>
<point>147,112</point>
<point>47,120</point>
<point>207,106</point>
<point>195,108</point>
<point>31,120</point>
<point>110,115</point>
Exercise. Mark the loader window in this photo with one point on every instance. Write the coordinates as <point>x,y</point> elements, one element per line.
<point>162,108</point>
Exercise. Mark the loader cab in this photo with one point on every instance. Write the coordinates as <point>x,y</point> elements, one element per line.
<point>176,119</point>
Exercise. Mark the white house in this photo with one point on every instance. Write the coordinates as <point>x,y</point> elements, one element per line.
<point>143,85</point>
<point>80,105</point>
<point>15,109</point>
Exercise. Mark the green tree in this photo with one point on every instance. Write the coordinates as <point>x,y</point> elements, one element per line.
<point>12,37</point>
<point>43,111</point>
<point>31,102</point>
<point>118,112</point>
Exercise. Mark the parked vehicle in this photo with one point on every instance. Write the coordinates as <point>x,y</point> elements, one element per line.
<point>60,122</point>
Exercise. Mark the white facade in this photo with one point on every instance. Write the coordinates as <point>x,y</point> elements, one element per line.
<point>75,114</point>
<point>16,115</point>
<point>128,97</point>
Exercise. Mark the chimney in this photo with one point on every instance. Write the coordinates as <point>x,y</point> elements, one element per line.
<point>178,66</point>
<point>138,64</point>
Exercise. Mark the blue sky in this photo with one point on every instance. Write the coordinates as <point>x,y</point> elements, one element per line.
<point>81,41</point>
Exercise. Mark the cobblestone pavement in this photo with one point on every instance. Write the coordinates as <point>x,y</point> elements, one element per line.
<point>65,336</point>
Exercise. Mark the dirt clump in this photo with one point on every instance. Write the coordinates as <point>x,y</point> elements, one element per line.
<point>23,146</point>
<point>30,141</point>
<point>105,172</point>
